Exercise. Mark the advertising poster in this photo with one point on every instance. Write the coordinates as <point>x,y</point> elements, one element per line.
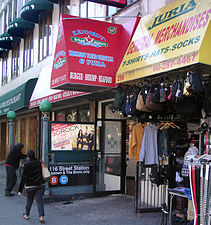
<point>72,136</point>
<point>70,175</point>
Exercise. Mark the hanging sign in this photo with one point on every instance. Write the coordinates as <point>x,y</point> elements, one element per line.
<point>88,53</point>
<point>172,37</point>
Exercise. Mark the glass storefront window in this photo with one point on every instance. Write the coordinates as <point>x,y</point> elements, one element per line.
<point>72,115</point>
<point>83,115</point>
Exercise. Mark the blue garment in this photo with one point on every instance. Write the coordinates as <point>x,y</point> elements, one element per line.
<point>149,149</point>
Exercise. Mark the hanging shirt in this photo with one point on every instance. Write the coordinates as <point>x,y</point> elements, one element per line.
<point>135,141</point>
<point>149,149</point>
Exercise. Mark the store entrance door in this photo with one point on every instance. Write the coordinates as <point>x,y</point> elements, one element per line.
<point>110,152</point>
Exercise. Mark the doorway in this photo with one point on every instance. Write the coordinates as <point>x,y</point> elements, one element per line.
<point>110,151</point>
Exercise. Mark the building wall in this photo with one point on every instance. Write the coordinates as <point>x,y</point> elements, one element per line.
<point>142,8</point>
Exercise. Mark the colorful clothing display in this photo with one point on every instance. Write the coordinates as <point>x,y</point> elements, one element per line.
<point>135,141</point>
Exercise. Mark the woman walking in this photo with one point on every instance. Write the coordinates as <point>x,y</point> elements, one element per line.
<point>34,185</point>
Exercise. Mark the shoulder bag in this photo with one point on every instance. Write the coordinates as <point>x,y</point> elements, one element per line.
<point>45,172</point>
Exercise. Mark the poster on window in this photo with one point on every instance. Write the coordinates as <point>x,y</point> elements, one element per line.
<point>72,136</point>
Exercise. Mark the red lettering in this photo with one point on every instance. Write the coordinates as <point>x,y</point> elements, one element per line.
<point>202,18</point>
<point>207,17</point>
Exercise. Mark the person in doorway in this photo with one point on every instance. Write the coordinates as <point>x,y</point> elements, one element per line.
<point>34,185</point>
<point>80,139</point>
<point>90,140</point>
<point>11,165</point>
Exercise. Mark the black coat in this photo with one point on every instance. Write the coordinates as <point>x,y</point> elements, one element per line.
<point>15,156</point>
<point>32,174</point>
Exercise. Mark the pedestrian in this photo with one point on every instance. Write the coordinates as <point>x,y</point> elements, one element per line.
<point>34,185</point>
<point>11,164</point>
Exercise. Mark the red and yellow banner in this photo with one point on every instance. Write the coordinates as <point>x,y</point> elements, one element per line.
<point>172,37</point>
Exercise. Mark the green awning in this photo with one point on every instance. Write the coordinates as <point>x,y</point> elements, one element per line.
<point>6,41</point>
<point>18,98</point>
<point>18,27</point>
<point>32,10</point>
<point>54,1</point>
<point>3,52</point>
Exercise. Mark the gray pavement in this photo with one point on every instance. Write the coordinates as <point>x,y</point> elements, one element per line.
<point>109,210</point>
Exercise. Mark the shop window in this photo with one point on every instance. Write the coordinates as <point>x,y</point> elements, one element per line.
<point>111,10</point>
<point>72,115</point>
<point>4,71</point>
<point>9,6</point>
<point>60,116</point>
<point>108,114</point>
<point>45,36</point>
<point>64,6</point>
<point>5,20</point>
<point>80,114</point>
<point>28,50</point>
<point>14,9</point>
<point>20,4</point>
<point>87,9</point>
<point>129,2</point>
<point>15,61</point>
<point>1,22</point>
<point>83,115</point>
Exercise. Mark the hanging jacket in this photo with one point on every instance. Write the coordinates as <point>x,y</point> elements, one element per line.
<point>135,141</point>
<point>149,148</point>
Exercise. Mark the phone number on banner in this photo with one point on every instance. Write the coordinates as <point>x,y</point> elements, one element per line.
<point>183,60</point>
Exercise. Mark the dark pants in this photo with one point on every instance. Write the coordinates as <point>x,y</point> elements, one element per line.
<point>37,193</point>
<point>11,178</point>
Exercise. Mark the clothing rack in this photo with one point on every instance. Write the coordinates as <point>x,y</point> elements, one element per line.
<point>148,197</point>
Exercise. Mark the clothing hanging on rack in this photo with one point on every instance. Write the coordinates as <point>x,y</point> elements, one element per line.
<point>149,149</point>
<point>135,141</point>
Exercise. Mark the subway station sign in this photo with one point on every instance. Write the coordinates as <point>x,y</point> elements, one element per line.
<point>71,175</point>
<point>172,37</point>
<point>88,53</point>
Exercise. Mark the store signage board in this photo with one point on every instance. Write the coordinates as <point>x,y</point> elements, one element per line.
<point>65,136</point>
<point>71,175</point>
<point>116,3</point>
<point>43,92</point>
<point>88,53</point>
<point>172,37</point>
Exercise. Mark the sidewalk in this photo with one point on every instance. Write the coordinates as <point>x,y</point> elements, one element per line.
<point>109,210</point>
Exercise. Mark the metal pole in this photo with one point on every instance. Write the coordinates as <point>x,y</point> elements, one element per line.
<point>11,124</point>
<point>45,120</point>
<point>45,146</point>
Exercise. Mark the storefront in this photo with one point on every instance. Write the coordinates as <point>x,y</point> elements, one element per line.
<point>26,128</point>
<point>86,59</point>
<point>165,78</point>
